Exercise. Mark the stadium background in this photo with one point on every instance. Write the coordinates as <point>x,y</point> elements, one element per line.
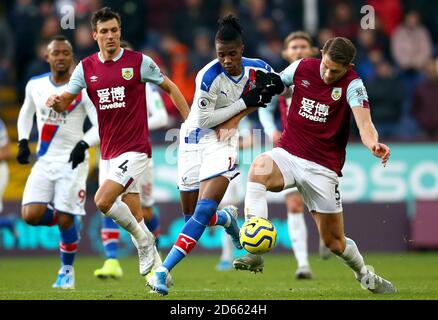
<point>391,210</point>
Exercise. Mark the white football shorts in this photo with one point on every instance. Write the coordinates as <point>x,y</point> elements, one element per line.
<point>318,185</point>
<point>125,169</point>
<point>57,183</point>
<point>199,161</point>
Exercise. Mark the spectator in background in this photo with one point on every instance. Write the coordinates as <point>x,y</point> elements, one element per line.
<point>84,43</point>
<point>389,13</point>
<point>50,28</point>
<point>411,44</point>
<point>343,23</point>
<point>25,25</point>
<point>425,99</point>
<point>202,52</point>
<point>270,50</point>
<point>411,48</point>
<point>177,55</point>
<point>195,14</point>
<point>254,16</point>
<point>385,92</point>
<point>324,35</point>
<point>132,13</point>
<point>39,64</point>
<point>6,52</point>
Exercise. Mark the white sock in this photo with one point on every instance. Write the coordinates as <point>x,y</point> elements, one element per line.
<point>255,201</point>
<point>227,248</point>
<point>121,215</point>
<point>296,226</point>
<point>352,258</point>
<point>151,237</point>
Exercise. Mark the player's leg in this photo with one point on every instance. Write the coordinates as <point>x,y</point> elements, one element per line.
<point>110,235</point>
<point>147,202</point>
<point>229,202</point>
<point>121,178</point>
<point>331,229</point>
<point>69,201</point>
<point>319,188</point>
<point>226,258</point>
<point>210,194</point>
<point>264,175</point>
<point>38,193</point>
<point>67,248</point>
<point>297,229</point>
<point>189,172</point>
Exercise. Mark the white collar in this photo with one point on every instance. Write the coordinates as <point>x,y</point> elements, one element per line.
<point>117,57</point>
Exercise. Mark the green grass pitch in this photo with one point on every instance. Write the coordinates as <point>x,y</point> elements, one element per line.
<point>414,274</point>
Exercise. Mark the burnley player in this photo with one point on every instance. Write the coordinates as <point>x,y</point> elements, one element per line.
<point>115,81</point>
<point>311,151</point>
<point>55,189</point>
<point>110,233</point>
<point>225,88</point>
<point>297,45</point>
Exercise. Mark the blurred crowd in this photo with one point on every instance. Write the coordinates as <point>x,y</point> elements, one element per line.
<point>397,59</point>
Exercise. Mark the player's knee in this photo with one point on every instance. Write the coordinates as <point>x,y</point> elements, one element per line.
<point>29,217</point>
<point>104,205</point>
<point>259,171</point>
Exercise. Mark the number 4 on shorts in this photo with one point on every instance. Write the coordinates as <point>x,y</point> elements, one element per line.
<point>124,167</point>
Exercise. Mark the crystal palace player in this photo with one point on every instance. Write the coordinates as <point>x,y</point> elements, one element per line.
<point>311,151</point>
<point>55,189</point>
<point>115,81</point>
<point>225,88</point>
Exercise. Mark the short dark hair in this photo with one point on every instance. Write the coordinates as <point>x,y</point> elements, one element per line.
<point>229,29</point>
<point>59,37</point>
<point>103,15</point>
<point>298,35</point>
<point>340,50</point>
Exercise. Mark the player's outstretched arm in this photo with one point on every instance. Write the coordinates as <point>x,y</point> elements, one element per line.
<point>369,135</point>
<point>59,103</point>
<point>176,96</point>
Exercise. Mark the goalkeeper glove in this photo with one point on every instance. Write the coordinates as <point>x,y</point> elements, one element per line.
<point>23,152</point>
<point>78,153</point>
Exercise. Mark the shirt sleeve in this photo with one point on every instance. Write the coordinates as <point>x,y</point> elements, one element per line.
<point>91,137</point>
<point>157,113</point>
<point>357,94</point>
<point>287,75</point>
<point>205,102</point>
<point>150,72</point>
<point>25,117</point>
<point>77,80</point>
<point>266,117</point>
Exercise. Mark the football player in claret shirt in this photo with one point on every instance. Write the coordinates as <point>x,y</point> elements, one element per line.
<point>115,82</point>
<point>110,233</point>
<point>311,151</point>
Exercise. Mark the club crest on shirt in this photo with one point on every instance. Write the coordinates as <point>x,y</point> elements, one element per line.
<point>336,93</point>
<point>127,73</point>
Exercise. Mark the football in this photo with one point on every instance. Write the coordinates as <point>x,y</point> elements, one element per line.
<point>258,235</point>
